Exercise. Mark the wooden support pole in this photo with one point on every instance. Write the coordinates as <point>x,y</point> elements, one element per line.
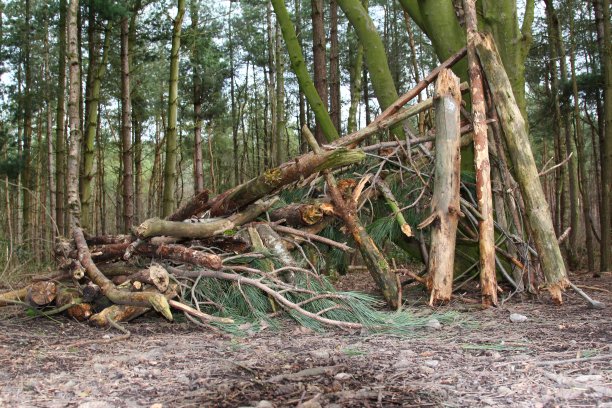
<point>519,149</point>
<point>486,232</point>
<point>378,266</point>
<point>445,204</point>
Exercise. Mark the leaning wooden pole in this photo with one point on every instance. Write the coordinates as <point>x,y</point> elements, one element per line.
<point>445,207</point>
<point>517,139</point>
<point>486,233</point>
<point>377,265</point>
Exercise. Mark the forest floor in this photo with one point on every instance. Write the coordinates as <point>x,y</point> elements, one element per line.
<point>560,356</point>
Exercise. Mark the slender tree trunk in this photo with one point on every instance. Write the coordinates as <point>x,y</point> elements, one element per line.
<point>280,97</point>
<point>356,75</point>
<point>126,130</point>
<point>319,59</point>
<point>233,99</point>
<point>50,150</point>
<point>197,101</point>
<point>488,282</point>
<point>93,103</point>
<point>334,67</point>
<point>74,205</point>
<point>299,68</point>
<point>606,144</point>
<point>60,139</point>
<point>271,85</point>
<point>138,108</point>
<point>573,246</point>
<point>27,180</point>
<point>582,154</point>
<point>171,133</point>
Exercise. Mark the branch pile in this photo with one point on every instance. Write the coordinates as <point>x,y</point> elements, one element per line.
<point>257,251</point>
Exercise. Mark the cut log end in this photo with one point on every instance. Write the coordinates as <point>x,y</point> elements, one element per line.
<point>42,293</point>
<point>448,84</point>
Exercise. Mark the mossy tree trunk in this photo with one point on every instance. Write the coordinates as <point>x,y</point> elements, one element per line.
<point>519,149</point>
<point>299,68</point>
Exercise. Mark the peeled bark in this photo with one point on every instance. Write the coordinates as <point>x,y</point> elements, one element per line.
<point>484,196</point>
<point>519,147</point>
<point>445,204</point>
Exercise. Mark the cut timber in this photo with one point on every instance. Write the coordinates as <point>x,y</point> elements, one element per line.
<point>207,228</point>
<point>387,281</point>
<point>9,298</point>
<point>155,275</point>
<point>273,179</point>
<point>125,313</point>
<point>69,296</point>
<point>119,297</point>
<point>517,140</point>
<point>445,201</point>
<point>41,293</point>
<point>298,215</point>
<point>486,232</point>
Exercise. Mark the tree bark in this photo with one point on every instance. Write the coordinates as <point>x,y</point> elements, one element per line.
<point>93,103</point>
<point>445,204</point>
<point>515,132</point>
<point>171,132</point>
<point>60,138</point>
<point>488,281</point>
<point>299,68</point>
<point>198,172</point>
<point>126,130</point>
<point>319,59</point>
<point>334,67</point>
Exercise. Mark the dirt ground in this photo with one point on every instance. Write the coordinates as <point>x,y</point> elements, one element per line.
<point>560,356</point>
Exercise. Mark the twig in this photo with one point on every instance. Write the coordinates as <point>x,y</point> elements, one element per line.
<point>204,316</point>
<point>571,360</point>
<point>544,172</point>
<point>312,237</point>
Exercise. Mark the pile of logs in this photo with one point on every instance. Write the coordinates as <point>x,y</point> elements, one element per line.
<point>107,279</point>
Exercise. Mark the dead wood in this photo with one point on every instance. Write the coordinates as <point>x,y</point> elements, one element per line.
<point>155,275</point>
<point>445,204</point>
<point>18,295</point>
<point>203,228</point>
<point>41,293</point>
<point>298,215</point>
<point>378,266</point>
<point>79,310</point>
<point>312,237</point>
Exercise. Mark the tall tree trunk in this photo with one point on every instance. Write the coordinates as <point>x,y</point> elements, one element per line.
<point>126,130</point>
<point>488,282</point>
<point>233,99</point>
<point>138,112</point>
<point>582,155</point>
<point>27,180</point>
<point>606,144</point>
<point>319,59</point>
<point>93,103</point>
<point>334,67</point>
<point>356,75</point>
<point>280,97</point>
<point>60,139</point>
<point>197,101</point>
<point>74,206</point>
<point>301,99</point>
<point>573,246</point>
<point>271,85</point>
<point>171,132</point>
<point>299,68</point>
<point>50,150</point>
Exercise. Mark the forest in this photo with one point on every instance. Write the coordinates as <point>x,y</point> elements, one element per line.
<point>364,166</point>
<point>179,99</point>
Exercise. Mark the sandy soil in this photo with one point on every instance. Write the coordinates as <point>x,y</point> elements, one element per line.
<point>560,356</point>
